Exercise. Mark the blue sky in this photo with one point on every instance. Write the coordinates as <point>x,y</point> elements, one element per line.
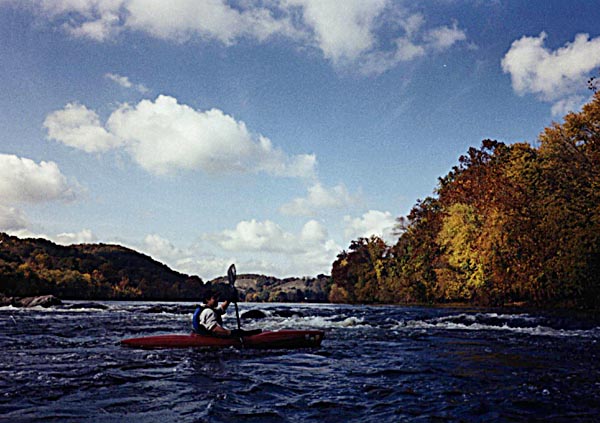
<point>269,133</point>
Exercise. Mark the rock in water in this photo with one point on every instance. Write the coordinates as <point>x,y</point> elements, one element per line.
<point>81,306</point>
<point>254,314</point>
<point>41,301</point>
<point>5,301</point>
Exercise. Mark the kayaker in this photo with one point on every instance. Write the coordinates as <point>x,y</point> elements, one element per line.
<point>208,320</point>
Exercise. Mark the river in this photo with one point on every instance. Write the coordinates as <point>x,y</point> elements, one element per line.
<point>376,364</point>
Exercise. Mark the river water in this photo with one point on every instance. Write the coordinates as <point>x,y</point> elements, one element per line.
<point>376,364</point>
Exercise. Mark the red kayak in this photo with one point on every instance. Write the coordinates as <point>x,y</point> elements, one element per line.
<point>264,340</point>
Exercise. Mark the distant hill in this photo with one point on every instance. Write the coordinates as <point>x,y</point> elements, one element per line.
<point>88,271</point>
<point>31,267</point>
<point>262,288</point>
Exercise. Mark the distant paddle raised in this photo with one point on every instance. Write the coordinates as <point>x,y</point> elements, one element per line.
<point>231,275</point>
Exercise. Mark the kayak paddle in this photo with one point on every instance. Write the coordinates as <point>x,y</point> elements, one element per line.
<point>231,275</point>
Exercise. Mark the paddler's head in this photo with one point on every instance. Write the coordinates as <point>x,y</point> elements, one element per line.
<point>211,298</point>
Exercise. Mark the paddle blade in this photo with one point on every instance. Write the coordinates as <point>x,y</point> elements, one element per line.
<point>231,274</point>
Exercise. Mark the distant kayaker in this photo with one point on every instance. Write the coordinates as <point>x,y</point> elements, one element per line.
<point>208,320</point>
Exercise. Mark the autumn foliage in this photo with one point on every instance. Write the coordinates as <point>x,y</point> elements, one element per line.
<point>509,223</point>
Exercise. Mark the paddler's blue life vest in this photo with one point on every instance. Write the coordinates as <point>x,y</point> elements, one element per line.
<point>197,327</point>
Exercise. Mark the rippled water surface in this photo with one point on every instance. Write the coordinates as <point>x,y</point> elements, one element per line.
<point>376,364</point>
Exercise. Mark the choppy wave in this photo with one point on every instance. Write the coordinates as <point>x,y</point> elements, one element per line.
<point>320,322</point>
<point>517,323</point>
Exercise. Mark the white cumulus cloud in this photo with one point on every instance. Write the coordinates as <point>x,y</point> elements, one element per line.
<point>163,136</point>
<point>191,260</point>
<point>100,29</point>
<point>319,198</point>
<point>79,127</point>
<point>343,32</point>
<point>95,19</point>
<point>268,236</point>
<point>313,232</point>
<point>444,37</point>
<point>124,82</point>
<point>181,19</point>
<point>553,76</point>
<point>253,235</point>
<point>207,266</point>
<point>373,222</point>
<point>12,219</point>
<point>308,252</point>
<point>177,20</point>
<point>350,34</point>
<point>85,236</point>
<point>162,249</point>
<point>24,181</point>
<point>568,104</point>
<point>415,43</point>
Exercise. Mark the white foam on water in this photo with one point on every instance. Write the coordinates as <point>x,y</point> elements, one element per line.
<point>9,308</point>
<point>477,316</point>
<point>448,323</point>
<point>66,307</point>
<point>317,322</point>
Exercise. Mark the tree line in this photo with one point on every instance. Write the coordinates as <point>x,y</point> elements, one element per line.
<point>508,224</point>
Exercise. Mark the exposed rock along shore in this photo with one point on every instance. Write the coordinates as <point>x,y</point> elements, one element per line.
<point>28,302</point>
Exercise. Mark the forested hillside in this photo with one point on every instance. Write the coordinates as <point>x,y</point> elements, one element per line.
<point>88,271</point>
<point>510,223</point>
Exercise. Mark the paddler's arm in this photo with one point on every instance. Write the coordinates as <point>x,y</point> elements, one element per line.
<point>218,330</point>
<point>224,305</point>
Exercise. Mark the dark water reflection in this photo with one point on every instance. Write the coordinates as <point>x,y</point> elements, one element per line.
<point>376,364</point>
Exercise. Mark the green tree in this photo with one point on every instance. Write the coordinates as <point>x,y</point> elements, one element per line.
<point>360,274</point>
